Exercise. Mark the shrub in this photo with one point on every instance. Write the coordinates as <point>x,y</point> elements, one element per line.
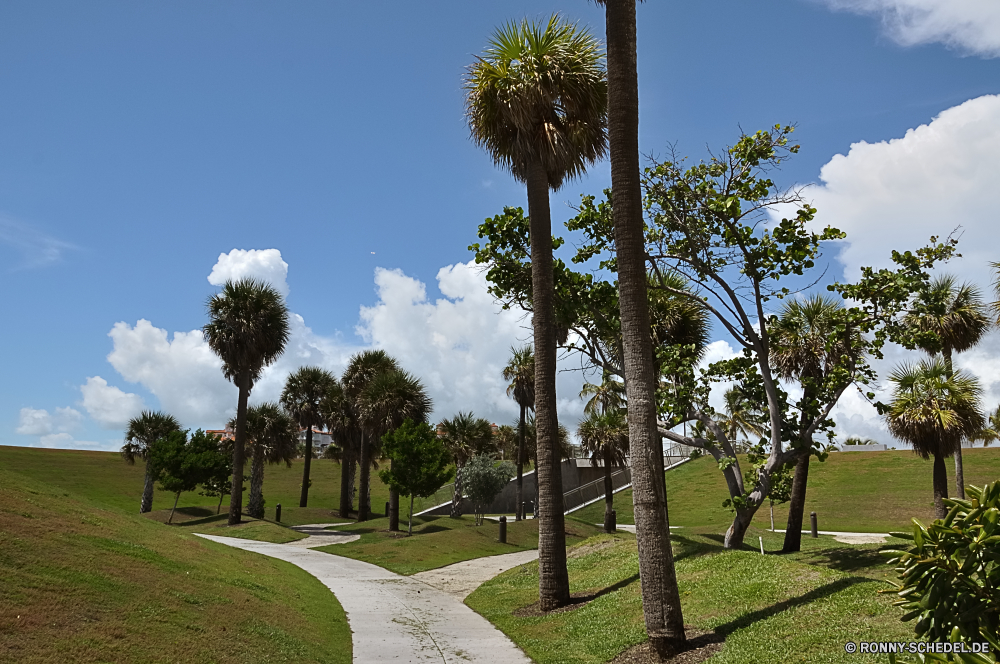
<point>482,480</point>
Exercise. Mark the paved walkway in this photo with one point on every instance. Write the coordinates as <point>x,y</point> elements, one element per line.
<point>396,618</point>
<point>849,538</point>
<point>318,535</point>
<point>460,579</point>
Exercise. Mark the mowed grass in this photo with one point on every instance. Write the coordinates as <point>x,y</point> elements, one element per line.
<point>83,581</point>
<point>876,492</point>
<point>441,540</point>
<point>800,608</point>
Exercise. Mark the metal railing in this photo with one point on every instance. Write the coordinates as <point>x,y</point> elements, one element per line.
<point>592,491</point>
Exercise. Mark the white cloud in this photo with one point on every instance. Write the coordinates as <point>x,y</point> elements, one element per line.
<point>39,422</point>
<point>971,26</point>
<point>66,441</point>
<point>108,405</point>
<point>264,264</point>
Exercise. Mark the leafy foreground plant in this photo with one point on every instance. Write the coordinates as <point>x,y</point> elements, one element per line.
<point>951,576</point>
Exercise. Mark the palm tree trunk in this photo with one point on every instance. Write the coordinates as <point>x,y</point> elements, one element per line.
<point>255,506</point>
<point>959,469</point>
<point>660,596</point>
<point>365,473</point>
<point>352,486</point>
<point>174,508</point>
<point>236,497</point>
<point>797,505</point>
<point>553,578</point>
<point>609,496</point>
<point>519,492</point>
<point>456,496</point>
<point>146,504</point>
<point>304,496</point>
<point>393,505</point>
<point>409,529</point>
<point>346,465</point>
<point>940,487</point>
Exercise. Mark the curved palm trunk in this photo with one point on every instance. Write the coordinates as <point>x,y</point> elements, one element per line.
<point>255,506</point>
<point>456,496</point>
<point>393,506</point>
<point>304,496</point>
<point>519,492</point>
<point>346,483</point>
<point>940,487</point>
<point>236,496</point>
<point>660,598</point>
<point>797,505</point>
<point>365,474</point>
<point>609,496</point>
<point>553,578</point>
<point>146,504</point>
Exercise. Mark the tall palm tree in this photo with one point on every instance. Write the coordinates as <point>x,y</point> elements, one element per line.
<point>956,319</point>
<point>142,432</point>
<point>304,390</point>
<point>741,416</point>
<point>520,372</point>
<point>391,398</point>
<point>609,395</point>
<point>990,433</point>
<point>272,437</point>
<point>604,436</point>
<point>248,330</point>
<point>465,436</point>
<point>933,409</point>
<point>536,102</point>
<point>361,370</point>
<point>339,415</point>
<point>805,346</point>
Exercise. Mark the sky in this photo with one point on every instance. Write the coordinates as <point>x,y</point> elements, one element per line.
<point>149,151</point>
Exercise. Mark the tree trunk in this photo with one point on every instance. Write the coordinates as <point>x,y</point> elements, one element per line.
<point>218,508</point>
<point>393,505</point>
<point>146,504</point>
<point>519,491</point>
<point>409,529</point>
<point>940,487</point>
<point>959,469</point>
<point>304,495</point>
<point>738,528</point>
<point>346,485</point>
<point>609,496</point>
<point>660,597</point>
<point>797,505</point>
<point>255,506</point>
<point>352,487</point>
<point>553,578</point>
<point>236,496</point>
<point>456,495</point>
<point>174,508</point>
<point>365,473</point>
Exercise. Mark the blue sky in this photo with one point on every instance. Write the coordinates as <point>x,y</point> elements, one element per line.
<point>139,141</point>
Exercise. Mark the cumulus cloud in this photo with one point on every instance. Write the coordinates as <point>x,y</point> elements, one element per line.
<point>108,405</point>
<point>970,26</point>
<point>39,422</point>
<point>264,264</point>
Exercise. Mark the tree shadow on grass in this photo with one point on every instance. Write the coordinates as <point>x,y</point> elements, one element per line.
<point>577,600</point>
<point>846,558</point>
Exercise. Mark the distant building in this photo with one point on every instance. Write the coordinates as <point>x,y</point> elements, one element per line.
<point>224,434</point>
<point>321,440</point>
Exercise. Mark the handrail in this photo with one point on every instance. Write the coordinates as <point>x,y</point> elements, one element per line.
<point>592,491</point>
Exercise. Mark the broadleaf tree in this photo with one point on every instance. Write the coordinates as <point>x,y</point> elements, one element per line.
<point>420,462</point>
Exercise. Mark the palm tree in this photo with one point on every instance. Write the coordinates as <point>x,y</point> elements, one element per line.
<point>304,390</point>
<point>248,330</point>
<point>520,372</point>
<point>339,415</point>
<point>604,398</point>
<point>465,436</point>
<point>362,370</point>
<point>955,319</point>
<point>536,102</point>
<point>142,432</point>
<point>933,409</point>
<point>805,346</point>
<point>604,436</point>
<point>990,432</point>
<point>272,437</point>
<point>391,398</point>
<point>741,416</point>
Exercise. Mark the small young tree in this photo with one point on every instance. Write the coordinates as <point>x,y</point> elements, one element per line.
<point>483,480</point>
<point>181,465</point>
<point>419,462</point>
<point>219,483</point>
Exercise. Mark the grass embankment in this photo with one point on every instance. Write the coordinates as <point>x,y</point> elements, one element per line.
<point>876,492</point>
<point>797,608</point>
<point>84,581</point>
<point>440,540</point>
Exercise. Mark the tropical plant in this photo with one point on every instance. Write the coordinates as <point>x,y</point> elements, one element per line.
<point>932,409</point>
<point>180,465</point>
<point>520,372</point>
<point>859,440</point>
<point>304,390</point>
<point>272,437</point>
<point>605,397</point>
<point>990,432</point>
<point>464,436</point>
<point>482,480</point>
<point>143,431</point>
<point>248,330</point>
<point>536,102</point>
<point>604,437</point>
<point>341,421</point>
<point>954,318</point>
<point>420,464</point>
<point>741,416</point>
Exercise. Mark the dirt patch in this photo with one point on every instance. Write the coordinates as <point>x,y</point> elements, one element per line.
<point>576,600</point>
<point>701,646</point>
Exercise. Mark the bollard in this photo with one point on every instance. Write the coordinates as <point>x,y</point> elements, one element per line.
<point>387,509</point>
<point>277,512</point>
<point>815,528</point>
<point>611,521</point>
<point>524,510</point>
<point>503,530</point>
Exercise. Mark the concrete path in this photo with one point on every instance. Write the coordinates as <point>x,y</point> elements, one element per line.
<point>396,618</point>
<point>849,538</point>
<point>318,535</point>
<point>460,579</point>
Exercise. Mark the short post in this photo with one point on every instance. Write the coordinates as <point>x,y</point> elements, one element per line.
<point>761,539</point>
<point>815,528</point>
<point>503,530</point>
<point>277,512</point>
<point>387,509</point>
<point>611,522</point>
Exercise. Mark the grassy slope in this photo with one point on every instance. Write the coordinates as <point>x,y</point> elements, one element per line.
<point>83,581</point>
<point>440,540</point>
<point>799,608</point>
<point>851,491</point>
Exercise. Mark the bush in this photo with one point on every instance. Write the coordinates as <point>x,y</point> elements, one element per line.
<point>482,480</point>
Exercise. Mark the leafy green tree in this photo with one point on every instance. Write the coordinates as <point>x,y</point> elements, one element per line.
<point>248,330</point>
<point>933,409</point>
<point>465,436</point>
<point>219,483</point>
<point>181,465</point>
<point>604,437</point>
<point>536,102</point>
<point>142,432</point>
<point>304,390</point>
<point>520,372</point>
<point>272,437</point>
<point>483,479</point>
<point>339,414</point>
<point>420,462</point>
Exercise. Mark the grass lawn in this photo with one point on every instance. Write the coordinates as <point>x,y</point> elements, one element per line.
<point>799,608</point>
<point>440,540</point>
<point>850,491</point>
<point>82,581</point>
